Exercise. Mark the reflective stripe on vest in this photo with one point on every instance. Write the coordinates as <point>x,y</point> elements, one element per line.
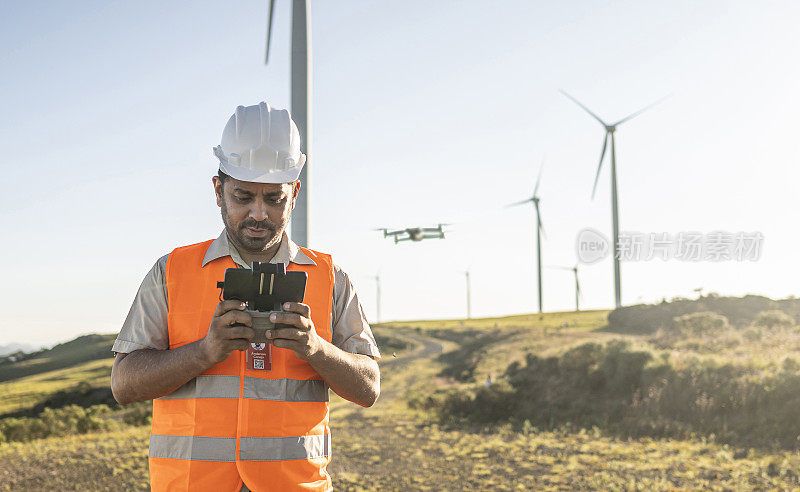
<point>203,448</point>
<point>278,418</point>
<point>217,386</point>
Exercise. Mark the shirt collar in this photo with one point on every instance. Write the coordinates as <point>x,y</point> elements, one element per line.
<point>287,252</point>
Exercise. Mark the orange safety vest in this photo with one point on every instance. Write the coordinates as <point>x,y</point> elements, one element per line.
<point>231,425</point>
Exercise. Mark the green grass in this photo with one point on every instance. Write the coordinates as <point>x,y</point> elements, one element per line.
<point>27,391</point>
<point>82,349</point>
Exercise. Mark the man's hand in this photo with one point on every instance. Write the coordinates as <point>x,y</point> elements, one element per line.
<point>230,330</point>
<point>301,337</point>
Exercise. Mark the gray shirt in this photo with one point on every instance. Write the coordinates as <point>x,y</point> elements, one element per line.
<point>146,324</point>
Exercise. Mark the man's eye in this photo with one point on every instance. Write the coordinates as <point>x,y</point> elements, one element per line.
<point>276,201</point>
<point>241,199</point>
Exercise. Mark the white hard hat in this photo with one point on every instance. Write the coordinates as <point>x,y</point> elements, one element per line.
<point>262,145</point>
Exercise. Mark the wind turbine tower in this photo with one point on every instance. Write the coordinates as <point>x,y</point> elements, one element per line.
<point>378,295</point>
<point>300,108</point>
<point>609,135</point>
<point>469,298</point>
<point>574,270</point>
<point>539,232</point>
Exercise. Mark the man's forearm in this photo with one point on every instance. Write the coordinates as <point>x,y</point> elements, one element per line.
<point>354,377</point>
<point>149,373</point>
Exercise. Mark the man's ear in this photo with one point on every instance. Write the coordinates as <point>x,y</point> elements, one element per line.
<point>217,189</point>
<point>295,192</point>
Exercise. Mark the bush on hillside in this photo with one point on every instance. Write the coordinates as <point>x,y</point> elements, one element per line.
<point>774,319</point>
<point>59,422</point>
<point>631,393</point>
<point>704,323</point>
<point>83,394</point>
<point>740,312</point>
<point>139,413</point>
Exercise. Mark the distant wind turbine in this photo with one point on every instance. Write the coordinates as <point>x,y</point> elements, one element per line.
<point>378,295</point>
<point>539,231</point>
<point>577,284</point>
<point>469,297</point>
<point>610,130</point>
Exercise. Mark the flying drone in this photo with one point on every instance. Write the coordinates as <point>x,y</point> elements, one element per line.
<point>414,233</point>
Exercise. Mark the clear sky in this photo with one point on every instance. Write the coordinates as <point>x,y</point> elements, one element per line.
<point>423,112</point>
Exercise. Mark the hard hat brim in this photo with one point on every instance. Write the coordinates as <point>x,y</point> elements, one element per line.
<point>276,176</point>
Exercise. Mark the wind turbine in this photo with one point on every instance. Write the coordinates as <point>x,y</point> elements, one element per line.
<point>539,231</point>
<point>378,294</point>
<point>610,130</point>
<point>577,284</point>
<point>469,298</point>
<point>300,107</point>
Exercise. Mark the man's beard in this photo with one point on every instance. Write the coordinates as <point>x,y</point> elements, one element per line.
<point>246,242</point>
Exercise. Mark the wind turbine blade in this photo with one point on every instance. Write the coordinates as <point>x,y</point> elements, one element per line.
<point>637,113</point>
<point>269,29</point>
<point>600,165</point>
<point>539,178</point>
<point>519,203</point>
<point>584,108</point>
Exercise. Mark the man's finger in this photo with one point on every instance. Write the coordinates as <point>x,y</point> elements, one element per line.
<point>234,316</point>
<point>298,307</point>
<point>294,319</point>
<point>286,333</point>
<point>234,332</point>
<point>239,344</point>
<point>225,306</point>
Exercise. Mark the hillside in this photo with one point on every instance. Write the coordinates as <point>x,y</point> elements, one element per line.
<point>575,402</point>
<point>62,356</point>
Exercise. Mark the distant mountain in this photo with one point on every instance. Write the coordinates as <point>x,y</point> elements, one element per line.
<point>17,347</point>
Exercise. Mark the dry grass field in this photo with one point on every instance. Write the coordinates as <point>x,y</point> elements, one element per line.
<point>400,445</point>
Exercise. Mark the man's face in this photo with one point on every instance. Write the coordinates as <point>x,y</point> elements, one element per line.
<point>255,214</point>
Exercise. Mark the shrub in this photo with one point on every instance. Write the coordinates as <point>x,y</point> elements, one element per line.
<point>701,323</point>
<point>83,394</point>
<point>139,413</point>
<point>632,394</point>
<point>740,311</point>
<point>774,319</point>
<point>69,420</point>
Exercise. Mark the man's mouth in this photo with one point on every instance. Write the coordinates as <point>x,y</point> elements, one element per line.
<point>252,231</point>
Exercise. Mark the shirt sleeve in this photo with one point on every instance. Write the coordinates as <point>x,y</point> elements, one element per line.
<point>146,324</point>
<point>349,327</point>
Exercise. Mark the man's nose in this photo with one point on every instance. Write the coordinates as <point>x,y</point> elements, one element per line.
<point>259,211</point>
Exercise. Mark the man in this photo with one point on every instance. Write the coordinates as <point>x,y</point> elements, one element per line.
<point>218,423</point>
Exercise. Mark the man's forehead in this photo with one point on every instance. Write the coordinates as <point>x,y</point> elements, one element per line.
<point>259,188</point>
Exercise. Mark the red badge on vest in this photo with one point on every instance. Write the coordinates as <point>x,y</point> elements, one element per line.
<point>259,357</point>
